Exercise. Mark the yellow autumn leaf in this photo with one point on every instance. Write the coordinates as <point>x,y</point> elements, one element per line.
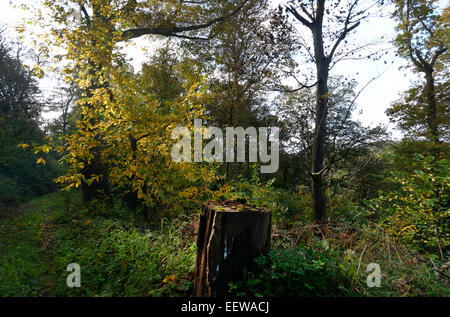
<point>41,161</point>
<point>20,29</point>
<point>23,146</point>
<point>169,278</point>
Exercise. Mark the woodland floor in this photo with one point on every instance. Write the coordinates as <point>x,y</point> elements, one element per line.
<point>122,255</point>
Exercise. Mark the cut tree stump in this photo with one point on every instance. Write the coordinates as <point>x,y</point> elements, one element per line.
<point>230,236</point>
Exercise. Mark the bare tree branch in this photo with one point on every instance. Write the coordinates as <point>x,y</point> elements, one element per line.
<point>298,16</point>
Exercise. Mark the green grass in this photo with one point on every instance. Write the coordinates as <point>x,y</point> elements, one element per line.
<point>117,255</point>
<point>25,269</point>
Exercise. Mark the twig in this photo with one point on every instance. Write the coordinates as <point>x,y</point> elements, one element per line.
<point>360,258</point>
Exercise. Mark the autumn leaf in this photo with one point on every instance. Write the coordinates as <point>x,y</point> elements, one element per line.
<point>41,161</point>
<point>169,278</point>
<point>23,146</point>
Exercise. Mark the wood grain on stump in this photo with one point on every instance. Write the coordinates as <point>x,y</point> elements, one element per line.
<point>231,235</point>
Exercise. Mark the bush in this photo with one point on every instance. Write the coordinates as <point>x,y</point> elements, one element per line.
<point>303,271</point>
<point>285,204</point>
<point>403,271</point>
<point>416,211</point>
<point>21,179</point>
<point>119,259</point>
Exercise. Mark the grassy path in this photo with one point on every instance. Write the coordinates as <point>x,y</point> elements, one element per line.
<point>25,250</point>
<point>117,254</point>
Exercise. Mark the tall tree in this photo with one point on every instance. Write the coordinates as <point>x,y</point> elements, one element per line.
<point>348,144</point>
<point>423,35</point>
<point>244,54</point>
<point>91,44</point>
<point>20,109</point>
<point>410,113</point>
<point>329,24</point>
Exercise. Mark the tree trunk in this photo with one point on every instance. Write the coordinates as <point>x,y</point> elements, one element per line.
<point>230,124</point>
<point>96,166</point>
<point>321,111</point>
<point>96,189</point>
<point>229,239</point>
<point>430,93</point>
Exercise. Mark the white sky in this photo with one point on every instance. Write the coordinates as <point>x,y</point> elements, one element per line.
<point>372,102</point>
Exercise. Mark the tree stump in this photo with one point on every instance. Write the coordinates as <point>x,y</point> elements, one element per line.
<point>230,236</point>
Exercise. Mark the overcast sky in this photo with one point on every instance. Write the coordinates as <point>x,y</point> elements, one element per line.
<point>372,102</point>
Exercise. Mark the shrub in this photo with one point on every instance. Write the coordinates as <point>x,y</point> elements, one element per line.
<point>119,259</point>
<point>303,271</point>
<point>285,204</point>
<point>417,210</point>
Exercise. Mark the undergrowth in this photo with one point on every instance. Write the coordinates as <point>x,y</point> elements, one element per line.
<point>121,254</point>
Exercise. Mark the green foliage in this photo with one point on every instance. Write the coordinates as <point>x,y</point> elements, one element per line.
<point>422,29</point>
<point>285,204</point>
<point>416,211</point>
<point>403,271</point>
<point>119,259</point>
<point>410,112</point>
<point>24,235</point>
<point>21,260</point>
<point>349,249</point>
<point>32,181</point>
<point>20,177</point>
<point>126,262</point>
<point>302,272</point>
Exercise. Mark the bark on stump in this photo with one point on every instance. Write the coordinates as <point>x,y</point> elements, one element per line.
<point>230,237</point>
